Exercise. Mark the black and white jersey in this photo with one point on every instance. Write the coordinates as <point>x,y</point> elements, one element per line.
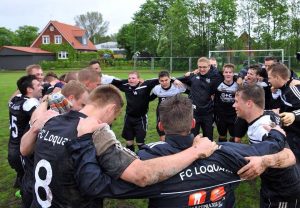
<point>256,132</point>
<point>290,98</point>
<point>137,97</point>
<point>163,93</point>
<point>20,111</point>
<point>202,89</point>
<point>224,98</point>
<point>279,184</point>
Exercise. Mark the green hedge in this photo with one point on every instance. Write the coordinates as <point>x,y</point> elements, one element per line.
<point>64,64</point>
<point>87,56</point>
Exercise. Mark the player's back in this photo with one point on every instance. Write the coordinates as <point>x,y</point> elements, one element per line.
<point>207,182</point>
<point>55,184</point>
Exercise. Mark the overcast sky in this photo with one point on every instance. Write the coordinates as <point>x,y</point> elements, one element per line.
<point>15,13</point>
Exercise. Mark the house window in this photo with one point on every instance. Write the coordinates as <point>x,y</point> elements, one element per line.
<point>46,39</point>
<point>57,39</point>
<point>63,55</point>
<point>84,40</point>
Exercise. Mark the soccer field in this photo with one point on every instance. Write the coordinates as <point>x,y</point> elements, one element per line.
<point>247,194</point>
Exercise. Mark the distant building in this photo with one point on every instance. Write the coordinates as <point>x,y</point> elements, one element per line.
<point>59,33</point>
<point>113,46</point>
<point>15,57</point>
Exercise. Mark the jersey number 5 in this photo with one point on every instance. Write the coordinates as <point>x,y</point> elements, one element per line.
<point>43,183</point>
<point>13,127</point>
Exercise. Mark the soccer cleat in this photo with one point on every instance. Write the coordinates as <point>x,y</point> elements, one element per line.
<point>18,194</point>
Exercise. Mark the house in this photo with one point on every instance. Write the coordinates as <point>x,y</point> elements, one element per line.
<point>55,33</point>
<point>113,46</point>
<point>15,57</point>
<point>59,33</point>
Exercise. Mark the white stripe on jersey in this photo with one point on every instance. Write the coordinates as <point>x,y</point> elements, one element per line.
<point>256,131</point>
<point>295,91</point>
<point>153,144</point>
<point>297,112</point>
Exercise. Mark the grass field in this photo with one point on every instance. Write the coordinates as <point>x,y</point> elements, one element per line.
<point>247,194</point>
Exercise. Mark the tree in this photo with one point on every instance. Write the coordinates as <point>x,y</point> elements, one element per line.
<point>7,37</point>
<point>273,21</point>
<point>223,24</point>
<point>25,35</point>
<point>199,15</point>
<point>93,23</point>
<point>248,14</point>
<point>176,31</point>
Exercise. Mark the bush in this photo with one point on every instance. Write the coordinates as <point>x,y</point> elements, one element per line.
<point>87,56</point>
<point>63,64</point>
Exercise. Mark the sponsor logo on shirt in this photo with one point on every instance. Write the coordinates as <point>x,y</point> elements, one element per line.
<point>198,199</point>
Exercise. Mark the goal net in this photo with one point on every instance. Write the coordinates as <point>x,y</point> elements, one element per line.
<point>242,58</point>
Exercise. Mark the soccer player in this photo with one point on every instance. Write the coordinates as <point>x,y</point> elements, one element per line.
<point>20,109</point>
<point>95,65</point>
<point>162,91</point>
<point>74,178</point>
<point>207,182</point>
<point>77,94</point>
<point>289,88</point>
<point>138,97</point>
<point>279,187</point>
<point>203,83</point>
<point>90,78</point>
<point>254,77</point>
<point>224,98</point>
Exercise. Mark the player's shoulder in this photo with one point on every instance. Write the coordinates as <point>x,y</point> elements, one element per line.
<point>30,103</point>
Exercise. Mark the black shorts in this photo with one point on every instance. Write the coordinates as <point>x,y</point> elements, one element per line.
<point>224,124</point>
<point>206,124</point>
<point>15,159</point>
<point>135,128</point>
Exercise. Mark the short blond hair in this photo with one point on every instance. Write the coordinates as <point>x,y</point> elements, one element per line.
<point>71,76</point>
<point>229,65</point>
<point>88,75</point>
<point>203,59</point>
<point>31,67</point>
<point>106,94</point>
<point>74,88</point>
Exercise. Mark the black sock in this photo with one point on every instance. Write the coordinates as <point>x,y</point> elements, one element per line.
<point>130,147</point>
<point>222,139</point>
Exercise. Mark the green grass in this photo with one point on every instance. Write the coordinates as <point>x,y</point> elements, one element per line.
<point>247,194</point>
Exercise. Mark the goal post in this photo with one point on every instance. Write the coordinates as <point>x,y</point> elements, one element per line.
<point>242,57</point>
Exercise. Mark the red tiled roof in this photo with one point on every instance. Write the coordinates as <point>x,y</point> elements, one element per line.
<point>27,49</point>
<point>70,32</point>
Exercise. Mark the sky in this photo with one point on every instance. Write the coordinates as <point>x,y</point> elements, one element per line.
<point>15,13</point>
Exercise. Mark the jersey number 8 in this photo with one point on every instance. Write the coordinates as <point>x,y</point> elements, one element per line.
<point>43,183</point>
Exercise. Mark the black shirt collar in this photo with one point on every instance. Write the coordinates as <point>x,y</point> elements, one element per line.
<point>286,84</point>
<point>76,114</point>
<point>179,141</point>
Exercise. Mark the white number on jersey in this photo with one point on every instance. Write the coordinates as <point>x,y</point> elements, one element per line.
<point>43,183</point>
<point>13,127</point>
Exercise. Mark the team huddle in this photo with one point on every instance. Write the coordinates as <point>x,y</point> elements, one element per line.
<point>66,155</point>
